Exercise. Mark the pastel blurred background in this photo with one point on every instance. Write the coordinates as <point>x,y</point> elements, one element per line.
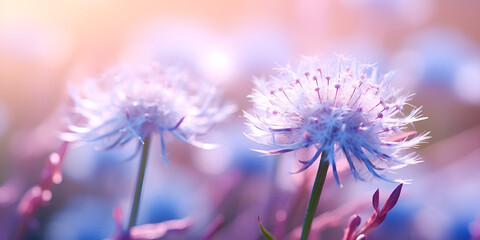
<point>433,46</point>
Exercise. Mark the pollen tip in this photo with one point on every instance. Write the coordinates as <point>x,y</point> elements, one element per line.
<point>307,136</point>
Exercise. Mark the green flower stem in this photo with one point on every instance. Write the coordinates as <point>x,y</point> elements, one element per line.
<point>138,188</point>
<point>315,197</point>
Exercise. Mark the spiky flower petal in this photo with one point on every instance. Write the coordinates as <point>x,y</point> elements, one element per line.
<point>340,107</point>
<point>131,102</point>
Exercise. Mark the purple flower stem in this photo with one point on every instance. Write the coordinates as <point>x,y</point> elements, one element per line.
<point>138,188</point>
<point>31,202</point>
<point>315,196</point>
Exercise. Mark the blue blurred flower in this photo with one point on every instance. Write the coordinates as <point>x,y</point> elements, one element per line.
<point>441,53</point>
<point>82,218</point>
<point>131,101</point>
<point>339,107</point>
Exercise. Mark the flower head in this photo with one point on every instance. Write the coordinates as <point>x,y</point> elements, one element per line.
<point>340,107</point>
<point>132,102</point>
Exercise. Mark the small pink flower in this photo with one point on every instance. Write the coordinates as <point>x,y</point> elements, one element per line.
<point>377,217</point>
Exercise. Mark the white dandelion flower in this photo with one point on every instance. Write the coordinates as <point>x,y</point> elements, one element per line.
<point>340,107</point>
<point>132,102</point>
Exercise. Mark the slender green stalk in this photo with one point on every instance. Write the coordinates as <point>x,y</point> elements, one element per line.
<point>138,188</point>
<point>315,197</point>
